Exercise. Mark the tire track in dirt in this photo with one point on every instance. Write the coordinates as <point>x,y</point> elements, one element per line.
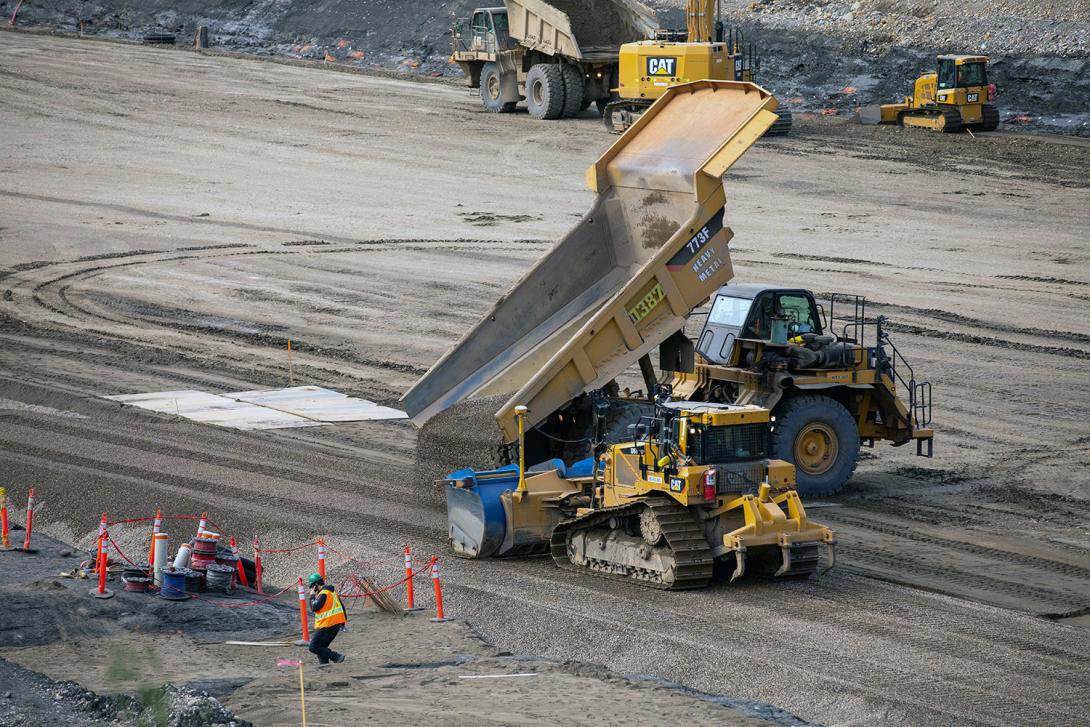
<point>1076,353</point>
<point>956,318</point>
<point>237,501</point>
<point>51,294</point>
<point>210,454</point>
<point>984,552</point>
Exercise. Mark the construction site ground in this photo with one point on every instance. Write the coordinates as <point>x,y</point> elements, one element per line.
<point>402,668</point>
<point>168,220</point>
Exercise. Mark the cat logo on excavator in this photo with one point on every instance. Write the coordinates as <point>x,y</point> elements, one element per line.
<point>661,66</point>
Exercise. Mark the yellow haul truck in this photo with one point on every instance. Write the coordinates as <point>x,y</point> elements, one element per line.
<point>652,248</point>
<point>560,56</point>
<point>957,96</point>
<point>833,380</point>
<point>705,49</point>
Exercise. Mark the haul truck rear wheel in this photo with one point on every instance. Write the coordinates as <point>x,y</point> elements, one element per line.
<point>573,89</point>
<point>491,93</point>
<point>545,91</point>
<point>818,435</point>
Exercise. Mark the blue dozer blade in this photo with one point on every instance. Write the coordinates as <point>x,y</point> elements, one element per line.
<point>474,512</point>
<point>476,519</point>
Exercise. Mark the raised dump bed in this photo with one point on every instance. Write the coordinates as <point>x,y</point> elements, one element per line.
<point>652,247</point>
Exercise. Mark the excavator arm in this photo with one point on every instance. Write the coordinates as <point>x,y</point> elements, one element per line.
<point>652,248</point>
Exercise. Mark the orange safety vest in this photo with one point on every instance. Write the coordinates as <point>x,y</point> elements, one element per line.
<point>331,613</point>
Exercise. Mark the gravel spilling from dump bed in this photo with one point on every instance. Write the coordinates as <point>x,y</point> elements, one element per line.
<point>597,22</point>
<point>465,435</point>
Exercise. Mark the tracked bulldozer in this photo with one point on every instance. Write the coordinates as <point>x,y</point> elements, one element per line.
<point>691,488</point>
<point>652,248</point>
<point>955,97</point>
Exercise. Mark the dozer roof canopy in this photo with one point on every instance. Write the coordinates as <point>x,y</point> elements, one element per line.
<point>961,60</point>
<point>717,415</point>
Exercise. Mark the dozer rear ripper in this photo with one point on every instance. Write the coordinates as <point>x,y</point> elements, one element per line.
<point>693,488</point>
<point>652,248</point>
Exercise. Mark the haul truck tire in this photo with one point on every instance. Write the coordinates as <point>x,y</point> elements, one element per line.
<point>573,89</point>
<point>818,435</point>
<point>545,91</point>
<point>492,93</point>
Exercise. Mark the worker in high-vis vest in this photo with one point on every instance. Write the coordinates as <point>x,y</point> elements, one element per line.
<point>329,619</point>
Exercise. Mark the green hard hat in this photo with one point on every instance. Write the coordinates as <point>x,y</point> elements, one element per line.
<point>314,578</point>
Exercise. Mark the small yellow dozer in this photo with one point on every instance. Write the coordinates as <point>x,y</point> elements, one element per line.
<point>956,97</point>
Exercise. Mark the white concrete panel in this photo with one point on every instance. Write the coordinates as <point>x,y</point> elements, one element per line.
<point>314,402</point>
<point>215,409</point>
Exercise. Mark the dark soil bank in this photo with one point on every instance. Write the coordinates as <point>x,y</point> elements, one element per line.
<point>811,71</point>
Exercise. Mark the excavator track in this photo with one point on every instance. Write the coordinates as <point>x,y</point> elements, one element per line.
<point>628,112</point>
<point>687,552</point>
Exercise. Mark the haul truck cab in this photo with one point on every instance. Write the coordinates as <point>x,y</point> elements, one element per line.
<point>829,391</point>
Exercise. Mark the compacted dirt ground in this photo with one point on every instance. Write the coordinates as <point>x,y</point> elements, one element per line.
<point>169,220</point>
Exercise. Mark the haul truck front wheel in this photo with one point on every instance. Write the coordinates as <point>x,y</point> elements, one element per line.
<point>818,435</point>
<point>491,92</point>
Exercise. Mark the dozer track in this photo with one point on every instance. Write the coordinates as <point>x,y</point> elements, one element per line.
<point>930,115</point>
<point>687,555</point>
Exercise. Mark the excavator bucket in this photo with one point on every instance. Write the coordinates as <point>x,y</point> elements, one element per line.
<point>652,247</point>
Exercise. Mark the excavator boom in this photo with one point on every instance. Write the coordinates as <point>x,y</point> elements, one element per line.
<point>652,247</point>
<point>700,15</point>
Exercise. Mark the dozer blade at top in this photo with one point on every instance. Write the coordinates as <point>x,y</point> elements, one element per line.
<point>652,247</point>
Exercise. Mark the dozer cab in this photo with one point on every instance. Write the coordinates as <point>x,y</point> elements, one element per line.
<point>703,50</point>
<point>831,385</point>
<point>957,96</point>
<point>692,487</point>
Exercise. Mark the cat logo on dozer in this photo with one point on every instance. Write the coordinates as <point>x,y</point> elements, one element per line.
<point>661,66</point>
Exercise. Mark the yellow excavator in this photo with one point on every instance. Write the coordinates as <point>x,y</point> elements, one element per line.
<point>957,96</point>
<point>670,489</point>
<point>705,50</point>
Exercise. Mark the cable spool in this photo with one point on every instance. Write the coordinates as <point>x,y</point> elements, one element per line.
<point>224,556</point>
<point>221,578</point>
<point>200,581</point>
<point>137,584</point>
<point>137,570</point>
<point>204,549</point>
<point>173,588</point>
<point>194,581</point>
<point>201,561</point>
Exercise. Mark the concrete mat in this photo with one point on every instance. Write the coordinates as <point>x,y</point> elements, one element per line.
<point>298,406</point>
<point>215,409</point>
<point>314,402</point>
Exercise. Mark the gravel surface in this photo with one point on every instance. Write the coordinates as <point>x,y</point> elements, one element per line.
<point>962,579</point>
<point>824,55</point>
